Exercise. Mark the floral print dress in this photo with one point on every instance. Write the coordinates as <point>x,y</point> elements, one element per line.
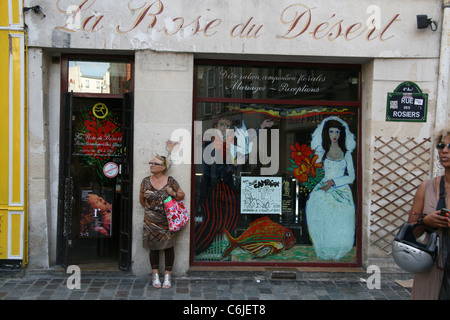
<point>156,234</point>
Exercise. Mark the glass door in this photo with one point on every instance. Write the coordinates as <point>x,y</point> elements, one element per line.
<point>94,219</point>
<point>95,169</point>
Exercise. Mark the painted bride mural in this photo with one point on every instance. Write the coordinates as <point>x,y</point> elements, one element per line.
<point>330,210</point>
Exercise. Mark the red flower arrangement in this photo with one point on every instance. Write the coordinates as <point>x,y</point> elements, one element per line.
<point>101,137</point>
<point>304,165</point>
<point>300,152</point>
<point>96,140</point>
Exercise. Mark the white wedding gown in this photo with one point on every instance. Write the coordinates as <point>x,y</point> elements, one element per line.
<point>330,215</point>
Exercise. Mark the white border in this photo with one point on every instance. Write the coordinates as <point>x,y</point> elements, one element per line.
<point>10,213</point>
<point>19,25</point>
<point>22,122</point>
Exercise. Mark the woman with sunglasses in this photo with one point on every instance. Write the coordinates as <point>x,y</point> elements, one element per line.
<point>156,235</point>
<point>434,284</point>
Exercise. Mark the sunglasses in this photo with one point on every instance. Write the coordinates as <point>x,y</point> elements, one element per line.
<point>441,146</point>
<point>155,164</point>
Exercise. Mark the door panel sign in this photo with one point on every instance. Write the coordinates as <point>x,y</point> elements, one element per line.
<point>96,212</point>
<point>98,138</point>
<point>111,169</point>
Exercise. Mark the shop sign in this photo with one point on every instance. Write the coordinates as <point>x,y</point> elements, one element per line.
<point>111,169</point>
<point>98,137</point>
<point>407,103</point>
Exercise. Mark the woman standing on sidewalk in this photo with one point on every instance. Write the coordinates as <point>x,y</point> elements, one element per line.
<point>156,235</point>
<point>434,284</point>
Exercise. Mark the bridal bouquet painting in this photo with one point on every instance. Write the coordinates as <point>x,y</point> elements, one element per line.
<point>305,166</point>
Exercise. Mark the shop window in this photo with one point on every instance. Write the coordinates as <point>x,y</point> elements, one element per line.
<point>277,182</point>
<point>110,77</point>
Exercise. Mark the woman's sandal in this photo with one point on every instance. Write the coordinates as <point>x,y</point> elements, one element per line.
<point>156,283</point>
<point>167,284</point>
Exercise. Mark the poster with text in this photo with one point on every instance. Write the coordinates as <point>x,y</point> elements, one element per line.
<point>261,195</point>
<point>96,212</point>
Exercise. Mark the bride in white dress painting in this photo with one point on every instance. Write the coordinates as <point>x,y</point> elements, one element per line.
<point>330,210</point>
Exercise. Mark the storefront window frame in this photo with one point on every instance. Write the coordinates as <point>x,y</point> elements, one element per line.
<point>357,104</point>
<point>66,58</point>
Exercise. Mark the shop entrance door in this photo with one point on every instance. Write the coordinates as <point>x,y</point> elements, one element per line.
<point>95,181</point>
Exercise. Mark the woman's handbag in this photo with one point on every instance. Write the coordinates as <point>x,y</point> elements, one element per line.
<point>177,215</point>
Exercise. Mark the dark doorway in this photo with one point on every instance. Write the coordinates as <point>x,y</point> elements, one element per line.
<point>94,224</point>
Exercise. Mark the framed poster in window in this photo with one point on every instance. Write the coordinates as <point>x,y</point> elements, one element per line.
<point>261,195</point>
<point>96,212</point>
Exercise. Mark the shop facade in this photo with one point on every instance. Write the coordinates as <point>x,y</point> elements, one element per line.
<point>284,122</point>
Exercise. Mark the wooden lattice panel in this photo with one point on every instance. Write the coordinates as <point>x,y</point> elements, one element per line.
<point>400,165</point>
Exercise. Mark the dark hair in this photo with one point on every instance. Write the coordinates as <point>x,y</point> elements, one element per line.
<point>326,141</point>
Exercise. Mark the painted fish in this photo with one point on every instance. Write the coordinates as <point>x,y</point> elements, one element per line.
<point>262,238</point>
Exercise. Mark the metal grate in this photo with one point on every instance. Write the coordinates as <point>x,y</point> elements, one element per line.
<point>400,165</point>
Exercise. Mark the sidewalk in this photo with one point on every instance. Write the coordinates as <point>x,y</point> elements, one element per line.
<point>201,285</point>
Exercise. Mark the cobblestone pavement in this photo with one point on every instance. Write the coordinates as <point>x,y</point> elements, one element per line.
<point>205,286</point>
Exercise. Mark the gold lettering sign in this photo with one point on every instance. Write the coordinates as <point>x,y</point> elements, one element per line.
<point>295,21</point>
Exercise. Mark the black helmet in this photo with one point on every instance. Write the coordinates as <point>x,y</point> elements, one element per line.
<point>413,256</point>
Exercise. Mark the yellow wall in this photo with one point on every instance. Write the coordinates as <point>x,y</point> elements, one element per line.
<point>13,133</point>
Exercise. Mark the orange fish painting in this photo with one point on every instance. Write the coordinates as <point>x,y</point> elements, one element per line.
<point>262,238</point>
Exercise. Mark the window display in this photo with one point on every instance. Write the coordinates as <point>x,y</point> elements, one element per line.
<point>278,181</point>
